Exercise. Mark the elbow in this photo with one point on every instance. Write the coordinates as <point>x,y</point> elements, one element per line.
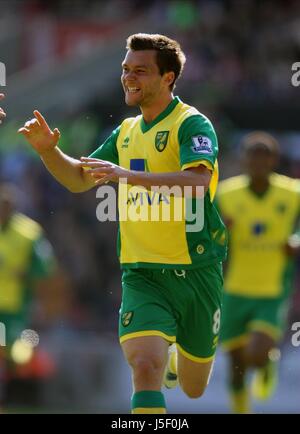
<point>200,180</point>
<point>206,181</point>
<point>206,185</point>
<point>199,190</point>
<point>199,193</point>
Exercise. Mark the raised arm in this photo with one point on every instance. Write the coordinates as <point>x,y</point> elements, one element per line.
<point>66,170</point>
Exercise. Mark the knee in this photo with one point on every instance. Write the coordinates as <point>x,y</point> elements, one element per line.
<point>260,361</point>
<point>195,391</point>
<point>257,359</point>
<point>146,367</point>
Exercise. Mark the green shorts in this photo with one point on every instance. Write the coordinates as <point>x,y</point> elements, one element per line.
<point>182,306</point>
<point>243,315</point>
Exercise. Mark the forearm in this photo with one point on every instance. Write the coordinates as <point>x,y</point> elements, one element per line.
<point>66,170</point>
<point>185,178</point>
<point>196,179</point>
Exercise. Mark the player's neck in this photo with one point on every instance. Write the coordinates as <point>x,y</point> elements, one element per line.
<point>5,218</point>
<point>259,186</point>
<point>156,108</point>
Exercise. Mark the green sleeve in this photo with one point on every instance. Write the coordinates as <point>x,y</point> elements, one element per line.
<point>42,261</point>
<point>108,150</point>
<point>197,140</point>
<point>217,204</point>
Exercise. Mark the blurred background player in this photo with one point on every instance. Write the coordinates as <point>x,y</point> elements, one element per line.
<point>261,209</point>
<point>26,262</point>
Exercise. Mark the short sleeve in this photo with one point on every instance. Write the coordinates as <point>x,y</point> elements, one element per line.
<point>108,150</point>
<point>197,163</point>
<point>197,140</point>
<point>43,261</point>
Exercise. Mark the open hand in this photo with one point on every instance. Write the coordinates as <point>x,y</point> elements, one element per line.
<point>39,134</point>
<point>103,171</point>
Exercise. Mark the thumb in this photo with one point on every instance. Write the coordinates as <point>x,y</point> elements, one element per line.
<point>56,133</point>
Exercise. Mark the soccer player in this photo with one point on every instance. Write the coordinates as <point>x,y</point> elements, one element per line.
<point>26,261</point>
<point>172,278</point>
<point>2,112</point>
<point>261,209</point>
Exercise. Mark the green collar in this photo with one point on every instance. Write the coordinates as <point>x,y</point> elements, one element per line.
<point>146,127</point>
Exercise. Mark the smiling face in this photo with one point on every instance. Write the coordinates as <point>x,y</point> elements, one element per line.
<point>141,79</point>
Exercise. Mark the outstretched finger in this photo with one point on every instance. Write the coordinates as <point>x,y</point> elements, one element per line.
<point>2,95</point>
<point>91,160</point>
<point>96,166</point>
<point>41,120</point>
<point>103,180</point>
<point>100,172</point>
<point>24,131</point>
<point>94,161</point>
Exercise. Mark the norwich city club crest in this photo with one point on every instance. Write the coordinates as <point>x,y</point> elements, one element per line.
<point>126,318</point>
<point>161,140</point>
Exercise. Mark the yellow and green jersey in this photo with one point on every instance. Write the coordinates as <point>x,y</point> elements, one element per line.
<point>179,138</point>
<point>260,227</point>
<point>24,256</point>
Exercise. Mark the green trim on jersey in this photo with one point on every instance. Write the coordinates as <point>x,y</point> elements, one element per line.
<point>179,136</point>
<point>195,126</point>
<point>146,127</point>
<point>108,150</point>
<point>214,238</point>
<point>43,262</point>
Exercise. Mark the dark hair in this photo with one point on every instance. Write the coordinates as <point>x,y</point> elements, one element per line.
<point>169,55</point>
<point>260,140</point>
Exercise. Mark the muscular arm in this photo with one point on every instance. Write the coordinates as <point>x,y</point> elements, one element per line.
<point>67,171</point>
<point>193,177</point>
<point>103,171</point>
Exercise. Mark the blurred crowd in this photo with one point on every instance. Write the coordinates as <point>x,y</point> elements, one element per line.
<point>240,49</point>
<point>236,48</point>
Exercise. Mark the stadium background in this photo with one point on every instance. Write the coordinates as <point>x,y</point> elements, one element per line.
<point>64,59</point>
